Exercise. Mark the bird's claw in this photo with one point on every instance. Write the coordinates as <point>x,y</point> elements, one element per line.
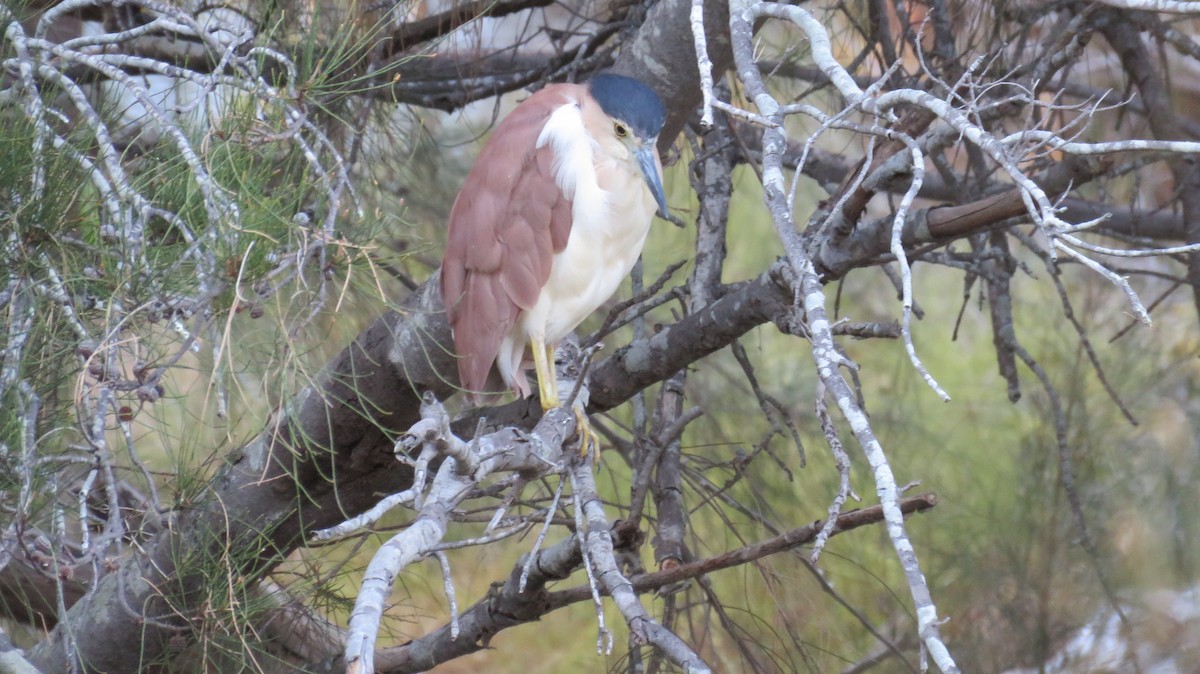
<point>589,440</point>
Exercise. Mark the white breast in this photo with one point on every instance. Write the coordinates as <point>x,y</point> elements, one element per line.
<point>601,251</point>
<point>607,234</point>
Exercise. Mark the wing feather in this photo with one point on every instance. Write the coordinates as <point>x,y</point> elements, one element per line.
<point>507,223</point>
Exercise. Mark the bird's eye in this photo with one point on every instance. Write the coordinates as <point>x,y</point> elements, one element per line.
<point>621,130</point>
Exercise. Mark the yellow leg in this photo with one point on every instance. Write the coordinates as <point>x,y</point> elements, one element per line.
<point>547,378</point>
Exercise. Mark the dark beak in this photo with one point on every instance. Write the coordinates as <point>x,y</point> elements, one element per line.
<point>645,158</point>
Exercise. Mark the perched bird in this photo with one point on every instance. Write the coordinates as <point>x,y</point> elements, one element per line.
<point>550,220</point>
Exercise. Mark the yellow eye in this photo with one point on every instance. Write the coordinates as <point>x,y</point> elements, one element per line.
<point>621,130</point>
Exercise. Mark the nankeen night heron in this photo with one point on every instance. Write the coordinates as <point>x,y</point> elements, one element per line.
<point>550,220</point>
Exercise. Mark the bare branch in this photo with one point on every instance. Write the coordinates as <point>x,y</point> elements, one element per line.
<point>600,551</point>
<point>804,535</point>
<point>825,354</point>
<point>463,468</point>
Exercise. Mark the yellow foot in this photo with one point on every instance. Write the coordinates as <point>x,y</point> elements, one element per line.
<point>543,362</point>
<point>589,440</point>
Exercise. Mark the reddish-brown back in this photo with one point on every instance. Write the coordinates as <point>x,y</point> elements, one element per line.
<point>508,221</point>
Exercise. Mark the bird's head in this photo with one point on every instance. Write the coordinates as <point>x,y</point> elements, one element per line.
<point>636,117</point>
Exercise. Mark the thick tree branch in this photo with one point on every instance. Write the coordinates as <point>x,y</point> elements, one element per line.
<point>270,492</point>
